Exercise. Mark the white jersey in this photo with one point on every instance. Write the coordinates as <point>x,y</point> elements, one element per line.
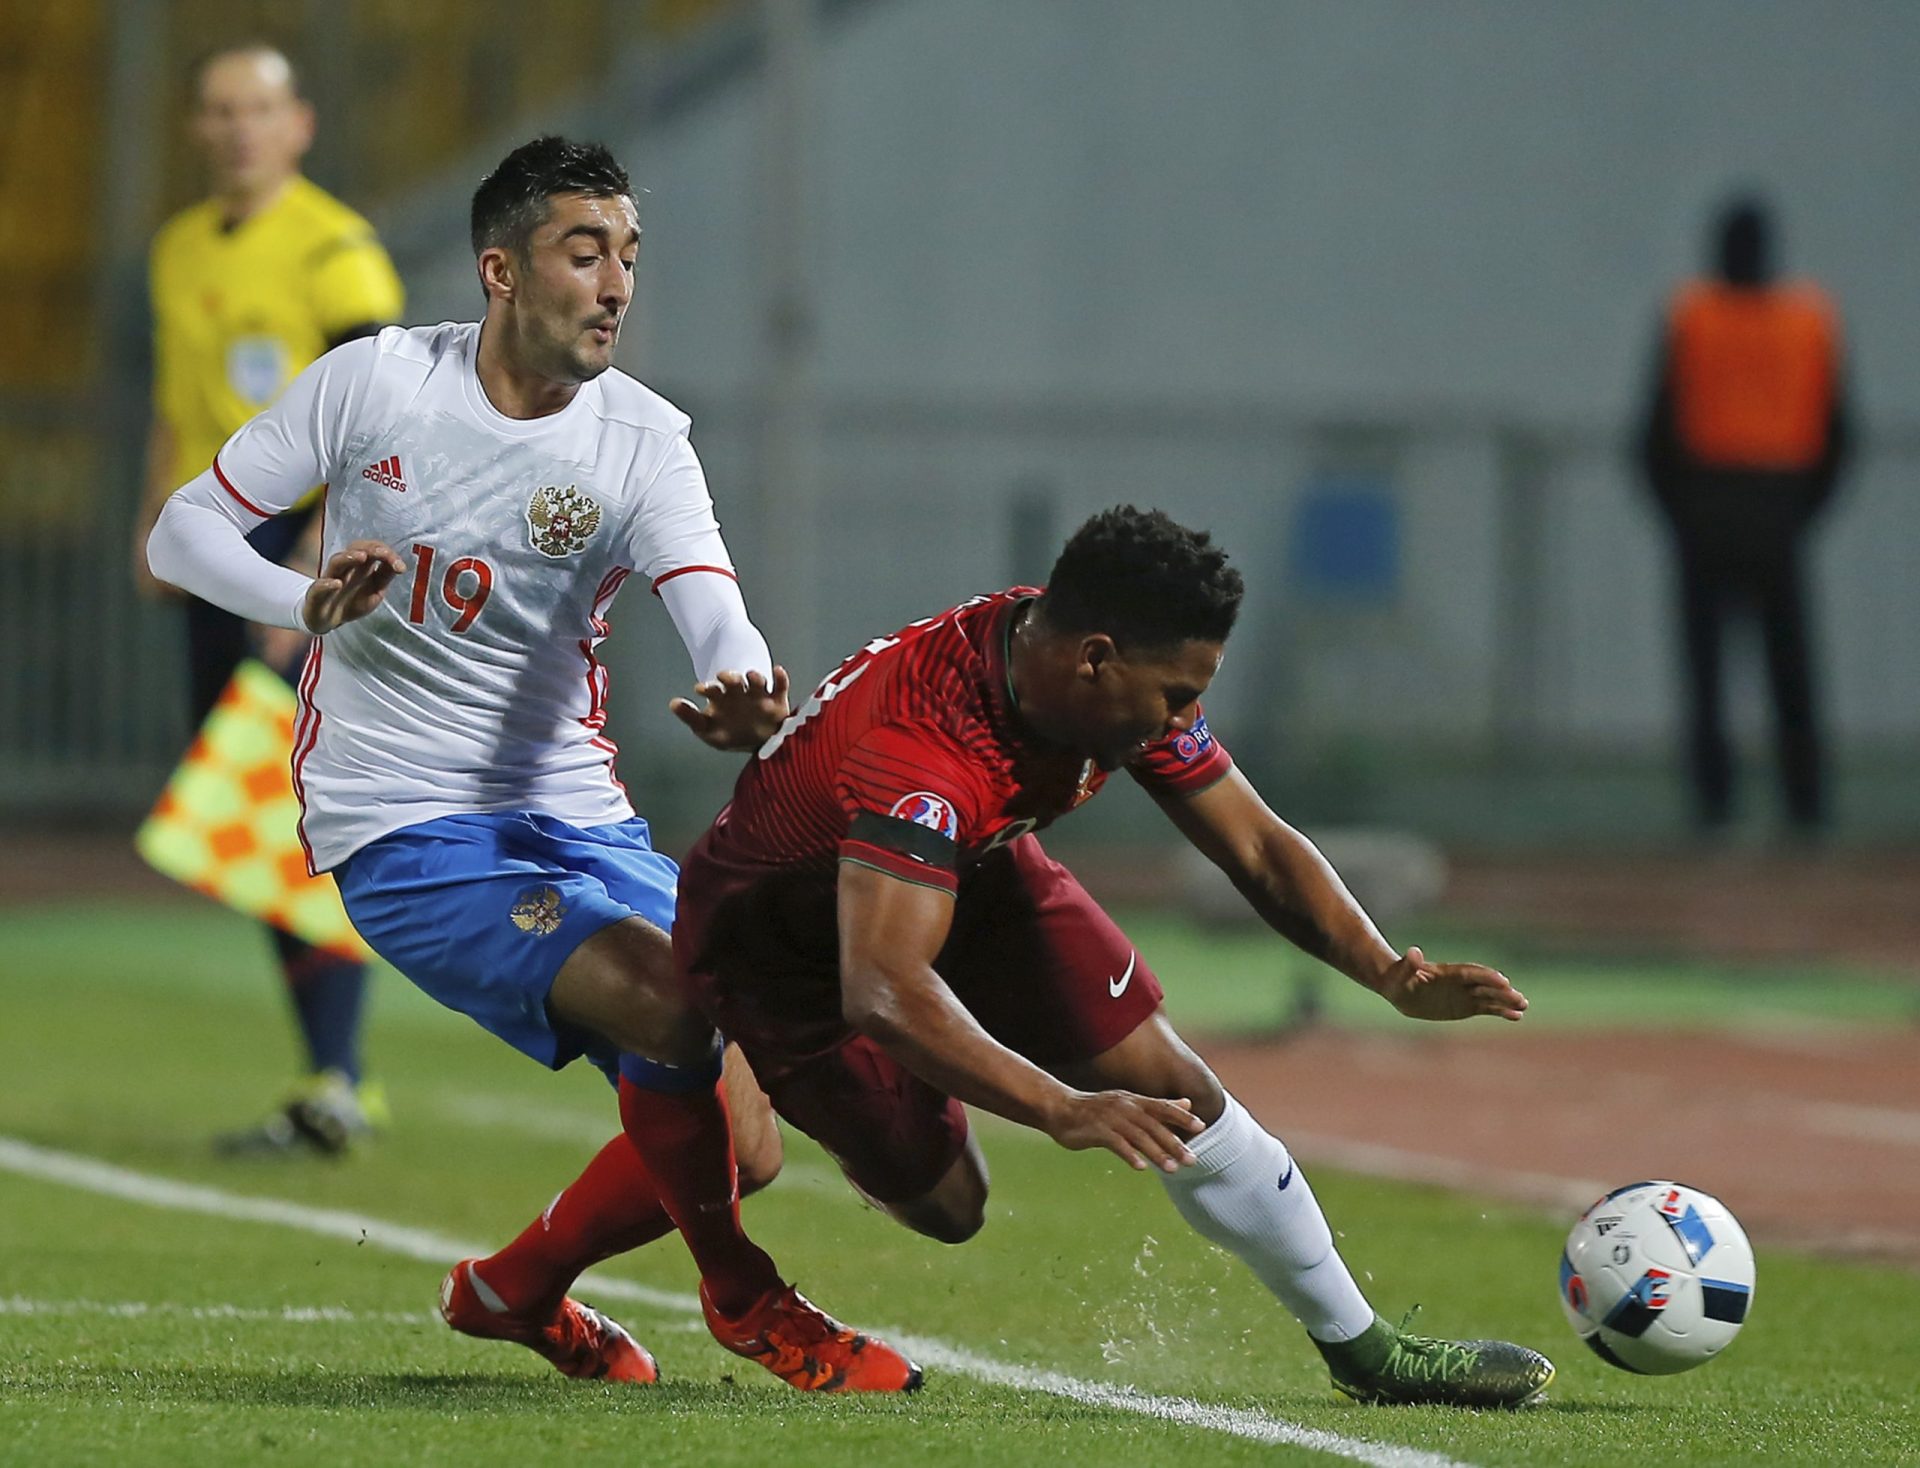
<point>475,686</point>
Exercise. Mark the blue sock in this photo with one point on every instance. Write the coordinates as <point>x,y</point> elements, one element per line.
<point>326,991</point>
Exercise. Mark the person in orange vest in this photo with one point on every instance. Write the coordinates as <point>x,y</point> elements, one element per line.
<point>1742,446</point>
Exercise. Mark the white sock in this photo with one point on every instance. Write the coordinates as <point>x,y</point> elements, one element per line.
<point>1233,1195</point>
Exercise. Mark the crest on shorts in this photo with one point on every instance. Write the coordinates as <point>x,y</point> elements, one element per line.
<point>560,522</point>
<point>924,808</point>
<point>538,911</point>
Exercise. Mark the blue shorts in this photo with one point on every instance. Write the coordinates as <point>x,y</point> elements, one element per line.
<point>480,911</point>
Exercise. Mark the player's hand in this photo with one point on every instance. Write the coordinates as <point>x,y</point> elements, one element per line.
<point>352,583</point>
<point>1141,1131</point>
<point>1423,990</point>
<point>743,709</point>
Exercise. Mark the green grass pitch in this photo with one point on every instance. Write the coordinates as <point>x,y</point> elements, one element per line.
<point>134,1334</point>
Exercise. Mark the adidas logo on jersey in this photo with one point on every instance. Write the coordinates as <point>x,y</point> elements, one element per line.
<point>386,472</point>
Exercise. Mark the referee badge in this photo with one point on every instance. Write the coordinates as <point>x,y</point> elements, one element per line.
<point>256,368</point>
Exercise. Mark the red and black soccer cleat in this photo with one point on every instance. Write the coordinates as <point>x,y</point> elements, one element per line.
<point>808,1349</point>
<point>578,1341</point>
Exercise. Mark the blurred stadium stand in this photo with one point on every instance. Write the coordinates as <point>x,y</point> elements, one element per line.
<point>1370,283</point>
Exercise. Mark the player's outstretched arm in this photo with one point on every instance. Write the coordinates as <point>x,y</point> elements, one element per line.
<point>198,546</point>
<point>199,541</point>
<point>352,583</point>
<point>890,932</point>
<point>746,694</point>
<point>1423,990</point>
<point>1299,895</point>
<point>743,709</point>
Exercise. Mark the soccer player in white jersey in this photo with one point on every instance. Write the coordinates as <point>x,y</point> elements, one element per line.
<point>491,487</point>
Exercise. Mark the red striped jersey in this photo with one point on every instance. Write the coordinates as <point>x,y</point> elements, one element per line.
<point>912,757</point>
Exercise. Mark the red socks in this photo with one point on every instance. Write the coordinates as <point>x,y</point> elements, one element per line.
<point>686,1142</point>
<point>621,1202</point>
<point>610,1208</point>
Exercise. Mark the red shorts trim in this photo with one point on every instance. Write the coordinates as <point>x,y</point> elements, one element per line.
<point>1031,955</point>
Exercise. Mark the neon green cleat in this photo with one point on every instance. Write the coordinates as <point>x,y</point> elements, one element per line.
<point>1390,1365</point>
<point>324,1114</point>
<point>374,1109</point>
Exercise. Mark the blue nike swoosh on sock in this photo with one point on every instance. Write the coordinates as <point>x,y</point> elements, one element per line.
<point>1286,1177</point>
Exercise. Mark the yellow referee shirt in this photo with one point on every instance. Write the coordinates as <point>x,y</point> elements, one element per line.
<point>239,311</point>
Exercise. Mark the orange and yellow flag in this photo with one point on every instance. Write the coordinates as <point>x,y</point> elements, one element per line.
<point>227,822</point>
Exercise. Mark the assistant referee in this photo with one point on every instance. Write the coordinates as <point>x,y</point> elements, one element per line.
<point>248,287</point>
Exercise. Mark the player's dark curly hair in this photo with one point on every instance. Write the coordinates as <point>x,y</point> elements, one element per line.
<point>511,202</point>
<point>1143,580</point>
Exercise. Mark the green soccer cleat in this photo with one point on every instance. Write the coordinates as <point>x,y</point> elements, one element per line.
<point>1390,1365</point>
<point>324,1115</point>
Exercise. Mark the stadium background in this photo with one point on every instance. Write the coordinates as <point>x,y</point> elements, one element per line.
<point>1369,288</point>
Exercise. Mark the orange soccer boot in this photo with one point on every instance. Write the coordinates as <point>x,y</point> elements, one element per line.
<point>578,1341</point>
<point>807,1348</point>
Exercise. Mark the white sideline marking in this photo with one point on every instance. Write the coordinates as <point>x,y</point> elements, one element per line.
<point>1183,1411</point>
<point>334,1223</point>
<point>414,1243</point>
<point>284,1315</point>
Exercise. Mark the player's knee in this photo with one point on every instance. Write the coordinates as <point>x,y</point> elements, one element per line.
<point>943,1222</point>
<point>620,985</point>
<point>680,1047</point>
<point>659,1025</point>
<point>964,1223</point>
<point>759,1158</point>
<point>956,1209</point>
<point>1167,1067</point>
<point>1208,1096</point>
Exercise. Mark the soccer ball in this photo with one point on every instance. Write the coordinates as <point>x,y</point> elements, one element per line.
<point>1656,1278</point>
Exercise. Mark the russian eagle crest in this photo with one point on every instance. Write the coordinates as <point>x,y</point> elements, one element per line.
<point>560,522</point>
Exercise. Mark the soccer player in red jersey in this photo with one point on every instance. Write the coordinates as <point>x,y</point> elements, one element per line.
<point>873,921</point>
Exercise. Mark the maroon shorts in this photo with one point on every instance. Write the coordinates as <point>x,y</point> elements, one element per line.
<point>1031,956</point>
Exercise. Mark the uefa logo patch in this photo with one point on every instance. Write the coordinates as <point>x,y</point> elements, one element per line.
<point>924,808</point>
<point>1192,743</point>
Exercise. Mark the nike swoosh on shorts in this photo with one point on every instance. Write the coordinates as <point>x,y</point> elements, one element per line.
<point>1117,987</point>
